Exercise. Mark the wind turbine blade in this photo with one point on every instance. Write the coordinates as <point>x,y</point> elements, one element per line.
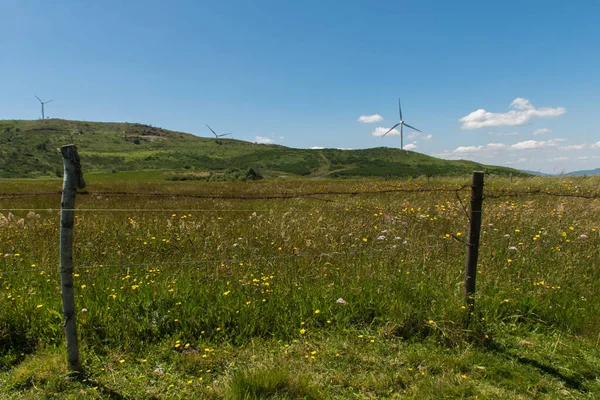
<point>49,101</point>
<point>391,129</point>
<point>225,134</point>
<point>400,109</point>
<point>38,98</point>
<point>412,127</point>
<point>215,133</point>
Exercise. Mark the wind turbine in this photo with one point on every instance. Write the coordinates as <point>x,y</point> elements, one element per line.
<point>215,133</point>
<point>42,102</point>
<point>402,124</point>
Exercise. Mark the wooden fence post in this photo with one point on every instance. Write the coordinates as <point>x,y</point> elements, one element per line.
<point>473,244</point>
<point>73,179</point>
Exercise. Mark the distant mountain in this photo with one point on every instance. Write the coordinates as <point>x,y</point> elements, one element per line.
<point>574,173</point>
<point>584,172</point>
<point>28,150</point>
<point>535,172</point>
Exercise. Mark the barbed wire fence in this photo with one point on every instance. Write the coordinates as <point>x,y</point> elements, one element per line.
<point>488,194</point>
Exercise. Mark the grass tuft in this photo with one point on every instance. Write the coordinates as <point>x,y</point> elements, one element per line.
<point>47,368</point>
<point>272,383</point>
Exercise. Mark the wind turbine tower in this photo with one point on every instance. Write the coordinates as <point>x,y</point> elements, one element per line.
<point>402,124</point>
<point>43,102</point>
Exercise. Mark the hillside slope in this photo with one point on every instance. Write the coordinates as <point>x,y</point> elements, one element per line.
<point>28,149</point>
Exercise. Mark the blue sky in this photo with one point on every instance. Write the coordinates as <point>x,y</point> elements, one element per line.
<point>302,73</point>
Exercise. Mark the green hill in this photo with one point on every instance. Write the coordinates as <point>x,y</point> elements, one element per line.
<point>28,150</point>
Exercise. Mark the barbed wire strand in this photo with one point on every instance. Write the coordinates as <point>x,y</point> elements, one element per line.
<point>355,208</point>
<point>461,203</point>
<point>223,210</point>
<point>493,195</point>
<point>487,194</point>
<point>235,197</point>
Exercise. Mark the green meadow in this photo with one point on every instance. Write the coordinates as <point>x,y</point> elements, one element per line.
<point>302,289</point>
<point>28,150</point>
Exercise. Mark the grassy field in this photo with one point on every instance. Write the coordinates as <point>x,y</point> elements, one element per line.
<point>318,297</point>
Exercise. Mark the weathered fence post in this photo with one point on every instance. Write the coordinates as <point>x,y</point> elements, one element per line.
<point>73,179</point>
<point>473,244</point>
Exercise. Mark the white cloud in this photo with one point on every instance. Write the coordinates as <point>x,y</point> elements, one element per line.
<point>521,104</point>
<point>410,146</point>
<point>262,140</point>
<point>519,161</point>
<point>281,137</point>
<point>541,131</point>
<point>522,111</point>
<point>413,135</point>
<point>427,137</point>
<point>588,158</point>
<point>581,146</point>
<point>496,146</point>
<point>475,149</point>
<point>530,145</point>
<point>467,149</point>
<point>345,148</point>
<point>536,145</point>
<point>316,147</point>
<point>575,147</point>
<point>379,131</point>
<point>524,145</point>
<point>369,119</point>
<point>560,159</point>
